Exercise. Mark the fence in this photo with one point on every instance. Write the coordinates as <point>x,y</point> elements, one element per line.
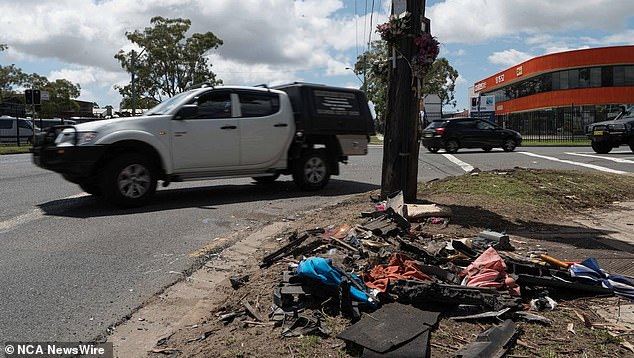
<point>560,124</point>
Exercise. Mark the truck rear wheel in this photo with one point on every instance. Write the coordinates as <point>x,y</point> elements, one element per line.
<point>601,148</point>
<point>312,170</point>
<point>129,180</point>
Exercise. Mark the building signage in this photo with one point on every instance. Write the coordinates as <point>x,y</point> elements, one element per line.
<point>480,86</point>
<point>519,70</point>
<point>483,104</point>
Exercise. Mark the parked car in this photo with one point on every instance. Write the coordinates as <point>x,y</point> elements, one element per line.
<point>456,133</point>
<point>607,135</point>
<point>45,123</point>
<point>9,129</point>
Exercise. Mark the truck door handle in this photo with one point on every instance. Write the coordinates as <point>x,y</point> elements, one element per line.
<point>179,134</point>
<point>280,125</point>
<point>228,127</point>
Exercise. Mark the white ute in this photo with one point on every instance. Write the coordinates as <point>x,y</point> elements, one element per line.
<point>300,129</point>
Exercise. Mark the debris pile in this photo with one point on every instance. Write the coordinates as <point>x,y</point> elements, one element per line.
<point>394,282</point>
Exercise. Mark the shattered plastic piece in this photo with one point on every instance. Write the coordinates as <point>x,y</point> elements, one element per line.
<point>423,293</point>
<point>531,317</point>
<point>491,314</point>
<point>238,281</point>
<point>391,330</point>
<point>492,343</point>
<point>543,304</point>
<point>304,324</point>
<point>271,258</point>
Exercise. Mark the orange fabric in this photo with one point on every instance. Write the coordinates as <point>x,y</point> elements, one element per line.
<point>399,267</point>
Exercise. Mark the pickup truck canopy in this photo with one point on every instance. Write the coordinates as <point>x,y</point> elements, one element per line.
<point>320,109</point>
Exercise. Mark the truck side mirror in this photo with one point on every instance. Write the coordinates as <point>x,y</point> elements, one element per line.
<point>187,111</point>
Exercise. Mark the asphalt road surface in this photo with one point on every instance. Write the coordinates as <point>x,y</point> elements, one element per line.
<point>71,266</point>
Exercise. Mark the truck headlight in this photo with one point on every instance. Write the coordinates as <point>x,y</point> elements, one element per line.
<point>619,127</point>
<point>68,138</point>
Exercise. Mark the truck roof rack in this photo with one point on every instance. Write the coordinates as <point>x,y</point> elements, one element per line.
<point>201,85</point>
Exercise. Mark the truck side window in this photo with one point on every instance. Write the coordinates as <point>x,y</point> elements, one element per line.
<point>5,123</point>
<point>258,104</point>
<point>214,105</point>
<point>24,124</point>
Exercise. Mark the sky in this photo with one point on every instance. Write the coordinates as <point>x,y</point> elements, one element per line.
<point>279,41</point>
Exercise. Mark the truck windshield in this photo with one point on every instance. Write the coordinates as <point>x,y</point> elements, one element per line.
<point>628,113</point>
<point>168,105</point>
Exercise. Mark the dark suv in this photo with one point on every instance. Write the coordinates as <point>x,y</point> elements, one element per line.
<point>453,134</point>
<point>611,134</point>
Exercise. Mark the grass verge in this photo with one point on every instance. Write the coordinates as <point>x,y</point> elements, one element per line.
<point>530,190</point>
<point>14,149</point>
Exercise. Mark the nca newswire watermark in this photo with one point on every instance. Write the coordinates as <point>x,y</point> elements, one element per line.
<point>57,349</point>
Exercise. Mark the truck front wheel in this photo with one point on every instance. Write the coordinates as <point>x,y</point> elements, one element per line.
<point>90,187</point>
<point>129,180</point>
<point>312,171</point>
<point>601,148</point>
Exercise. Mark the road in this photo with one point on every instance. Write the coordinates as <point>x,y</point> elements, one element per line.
<point>72,266</point>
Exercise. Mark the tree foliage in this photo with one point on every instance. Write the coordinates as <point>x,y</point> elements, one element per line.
<point>169,62</point>
<point>61,91</point>
<point>440,79</point>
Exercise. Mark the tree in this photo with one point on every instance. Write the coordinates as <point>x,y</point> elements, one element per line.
<point>168,62</point>
<point>61,93</point>
<point>10,76</point>
<point>440,79</point>
<point>373,66</point>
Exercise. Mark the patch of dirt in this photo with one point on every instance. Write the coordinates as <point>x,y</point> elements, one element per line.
<point>576,331</point>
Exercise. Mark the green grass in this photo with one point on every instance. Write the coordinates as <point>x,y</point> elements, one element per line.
<point>536,189</point>
<point>14,149</point>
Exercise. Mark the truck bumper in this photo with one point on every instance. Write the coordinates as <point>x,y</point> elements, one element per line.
<point>353,144</point>
<point>76,161</point>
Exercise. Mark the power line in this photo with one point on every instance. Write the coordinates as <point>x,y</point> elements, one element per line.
<point>356,28</point>
<point>371,28</point>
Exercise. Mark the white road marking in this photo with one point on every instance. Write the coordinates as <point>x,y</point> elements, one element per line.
<point>591,166</point>
<point>617,160</point>
<point>465,166</point>
<point>29,216</point>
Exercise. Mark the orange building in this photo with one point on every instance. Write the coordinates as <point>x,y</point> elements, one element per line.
<point>563,92</point>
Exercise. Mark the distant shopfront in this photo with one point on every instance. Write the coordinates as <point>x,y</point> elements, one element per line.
<point>557,95</point>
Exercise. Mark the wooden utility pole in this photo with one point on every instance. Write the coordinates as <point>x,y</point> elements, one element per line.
<point>400,145</point>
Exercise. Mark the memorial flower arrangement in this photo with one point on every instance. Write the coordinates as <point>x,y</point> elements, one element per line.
<point>394,28</point>
<point>428,49</point>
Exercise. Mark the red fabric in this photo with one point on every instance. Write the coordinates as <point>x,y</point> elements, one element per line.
<point>399,267</point>
<point>489,270</point>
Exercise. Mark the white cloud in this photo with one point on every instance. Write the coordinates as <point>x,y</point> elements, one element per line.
<point>509,57</point>
<point>475,21</point>
<point>264,41</point>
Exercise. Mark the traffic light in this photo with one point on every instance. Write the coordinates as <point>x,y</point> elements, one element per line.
<point>32,96</point>
<point>36,96</point>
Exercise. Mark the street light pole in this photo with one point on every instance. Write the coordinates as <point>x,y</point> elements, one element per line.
<point>359,78</point>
